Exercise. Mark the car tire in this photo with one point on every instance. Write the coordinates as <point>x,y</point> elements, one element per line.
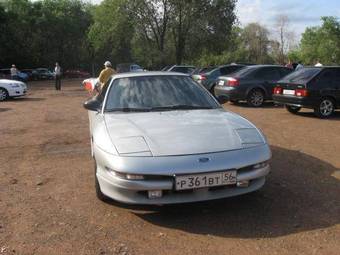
<point>325,108</point>
<point>255,98</point>
<point>292,109</point>
<point>3,94</point>
<point>100,195</point>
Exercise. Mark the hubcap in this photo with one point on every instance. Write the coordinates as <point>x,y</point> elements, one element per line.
<point>256,98</point>
<point>2,95</point>
<point>326,107</point>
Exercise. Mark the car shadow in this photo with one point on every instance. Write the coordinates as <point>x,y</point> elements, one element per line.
<point>5,109</point>
<point>310,114</point>
<point>27,99</point>
<point>267,104</point>
<point>301,194</point>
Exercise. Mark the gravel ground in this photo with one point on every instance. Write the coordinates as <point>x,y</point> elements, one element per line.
<point>48,204</point>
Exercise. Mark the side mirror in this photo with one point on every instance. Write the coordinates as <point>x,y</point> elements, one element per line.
<point>93,104</point>
<point>222,99</point>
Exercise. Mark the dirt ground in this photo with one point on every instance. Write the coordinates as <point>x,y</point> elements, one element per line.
<point>48,203</point>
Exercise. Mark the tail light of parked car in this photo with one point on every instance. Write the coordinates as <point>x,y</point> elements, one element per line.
<point>301,92</point>
<point>277,90</point>
<point>202,77</point>
<point>232,82</point>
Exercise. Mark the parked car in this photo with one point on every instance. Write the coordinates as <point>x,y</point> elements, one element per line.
<point>209,77</point>
<point>29,73</point>
<point>42,74</point>
<point>152,142</point>
<point>316,88</point>
<point>252,83</point>
<point>6,74</point>
<point>11,88</point>
<point>128,67</point>
<point>76,73</point>
<point>181,69</point>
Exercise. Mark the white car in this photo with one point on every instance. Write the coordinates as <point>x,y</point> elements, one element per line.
<point>11,88</point>
<point>160,138</point>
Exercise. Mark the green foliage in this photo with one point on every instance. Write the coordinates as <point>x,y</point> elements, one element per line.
<point>42,32</point>
<point>320,43</point>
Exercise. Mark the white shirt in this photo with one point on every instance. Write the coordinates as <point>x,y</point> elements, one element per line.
<point>14,71</point>
<point>57,70</point>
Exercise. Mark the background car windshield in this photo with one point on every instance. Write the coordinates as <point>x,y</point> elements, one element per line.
<point>157,91</point>
<point>301,75</point>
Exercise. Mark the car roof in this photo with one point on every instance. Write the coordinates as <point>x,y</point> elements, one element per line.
<point>147,73</point>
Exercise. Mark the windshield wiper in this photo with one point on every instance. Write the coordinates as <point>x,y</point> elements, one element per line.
<point>128,109</point>
<point>180,107</point>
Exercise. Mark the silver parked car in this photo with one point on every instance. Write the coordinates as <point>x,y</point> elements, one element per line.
<point>161,138</point>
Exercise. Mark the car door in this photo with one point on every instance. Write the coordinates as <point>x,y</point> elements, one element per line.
<point>266,77</point>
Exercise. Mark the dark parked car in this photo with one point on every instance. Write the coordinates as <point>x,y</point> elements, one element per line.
<point>180,69</point>
<point>29,73</point>
<point>76,73</point>
<point>252,83</point>
<point>42,74</point>
<point>317,88</point>
<point>209,77</point>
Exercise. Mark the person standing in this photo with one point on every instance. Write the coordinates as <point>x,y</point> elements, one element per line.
<point>57,73</point>
<point>289,64</point>
<point>14,73</point>
<point>318,64</point>
<point>106,73</point>
<point>299,66</point>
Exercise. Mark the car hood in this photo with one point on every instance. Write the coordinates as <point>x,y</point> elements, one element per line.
<point>176,132</point>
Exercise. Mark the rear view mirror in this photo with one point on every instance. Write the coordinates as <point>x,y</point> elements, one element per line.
<point>222,99</point>
<point>93,104</point>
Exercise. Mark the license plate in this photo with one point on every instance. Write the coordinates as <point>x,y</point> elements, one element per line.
<point>205,180</point>
<point>289,92</point>
<point>221,83</point>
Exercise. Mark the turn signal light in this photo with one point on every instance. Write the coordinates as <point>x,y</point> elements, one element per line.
<point>301,92</point>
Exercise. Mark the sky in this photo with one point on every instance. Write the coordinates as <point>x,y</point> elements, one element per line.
<point>301,13</point>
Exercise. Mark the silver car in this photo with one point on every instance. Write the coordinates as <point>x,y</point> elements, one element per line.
<point>161,138</point>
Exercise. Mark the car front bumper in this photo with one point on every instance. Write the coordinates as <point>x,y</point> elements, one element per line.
<point>136,191</point>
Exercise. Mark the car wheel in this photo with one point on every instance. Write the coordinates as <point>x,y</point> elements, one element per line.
<point>292,109</point>
<point>325,108</point>
<point>99,193</point>
<point>255,98</point>
<point>3,94</point>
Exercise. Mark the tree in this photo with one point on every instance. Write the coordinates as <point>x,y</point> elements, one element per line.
<point>321,43</point>
<point>285,38</point>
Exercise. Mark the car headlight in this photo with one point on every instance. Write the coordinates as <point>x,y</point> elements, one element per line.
<point>250,137</point>
<point>125,176</point>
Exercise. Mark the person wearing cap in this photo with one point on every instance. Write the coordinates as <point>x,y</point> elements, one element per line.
<point>57,74</point>
<point>14,73</point>
<point>106,73</point>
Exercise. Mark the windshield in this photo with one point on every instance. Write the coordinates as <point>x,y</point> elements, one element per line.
<point>301,75</point>
<point>157,93</point>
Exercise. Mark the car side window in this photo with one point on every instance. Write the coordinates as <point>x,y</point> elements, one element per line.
<point>267,74</point>
<point>326,78</point>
